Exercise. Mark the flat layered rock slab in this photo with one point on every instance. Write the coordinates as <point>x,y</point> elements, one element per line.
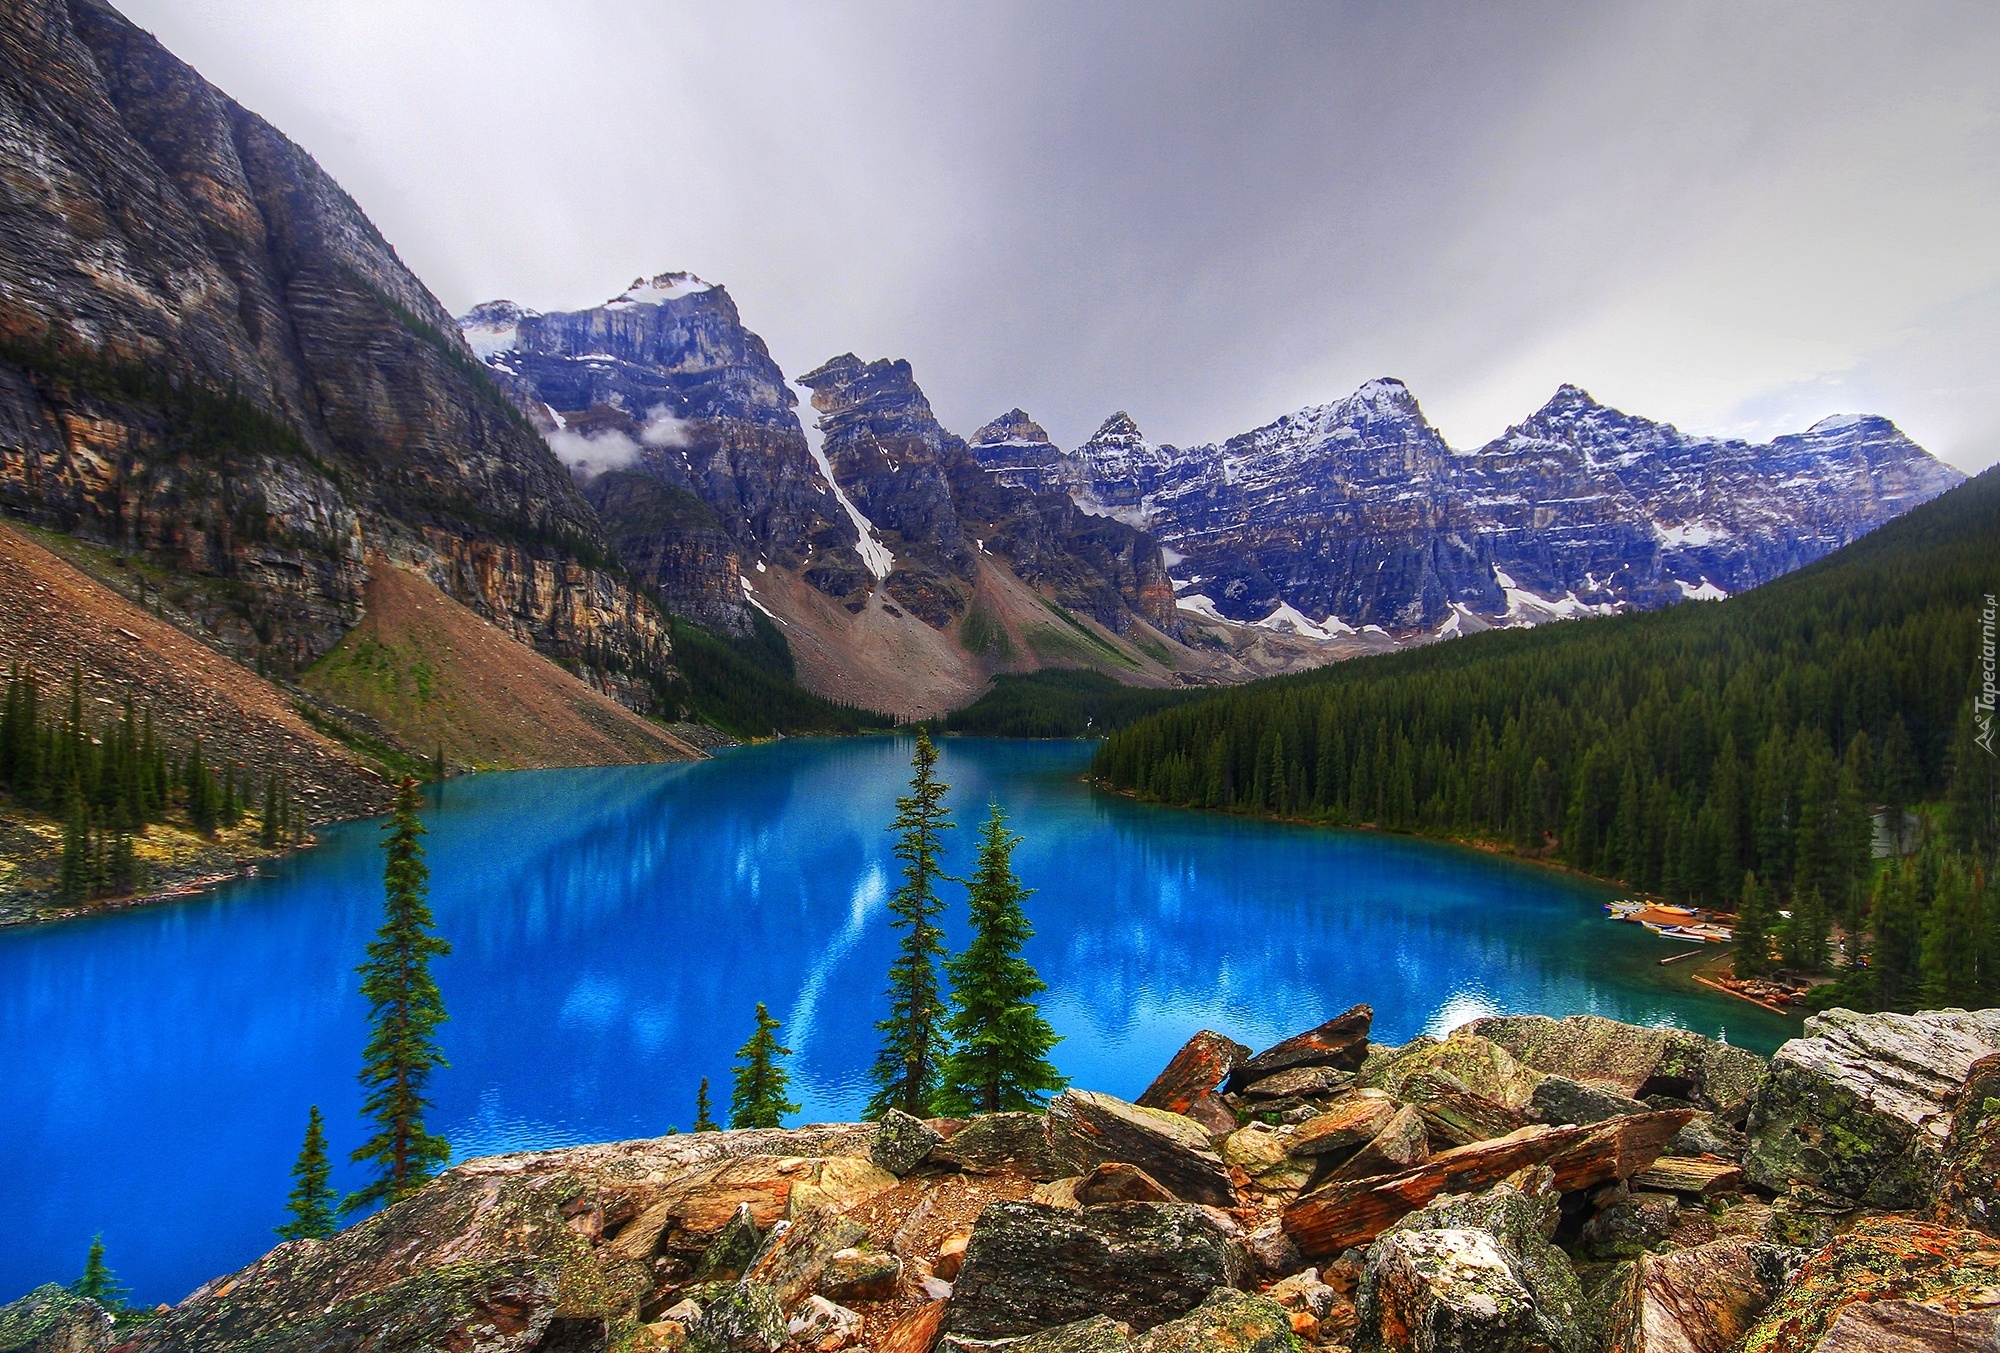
<point>1684,1174</point>
<point>1096,1128</point>
<point>1351,1121</point>
<point>1634,1060</point>
<point>1340,1043</point>
<point>1348,1213</point>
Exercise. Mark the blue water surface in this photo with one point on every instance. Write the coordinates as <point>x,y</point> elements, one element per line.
<point>612,930</point>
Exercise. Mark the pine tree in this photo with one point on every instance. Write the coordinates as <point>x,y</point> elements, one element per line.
<point>1806,932</point>
<point>1898,924</point>
<point>999,1058</point>
<point>77,866</point>
<point>1753,930</point>
<point>702,1121</point>
<point>98,1282</point>
<point>758,1100</point>
<point>404,1010</point>
<point>906,1071</point>
<point>311,1203</point>
<point>270,829</point>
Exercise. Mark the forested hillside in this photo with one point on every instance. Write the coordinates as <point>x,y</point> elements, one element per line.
<point>1677,751</point>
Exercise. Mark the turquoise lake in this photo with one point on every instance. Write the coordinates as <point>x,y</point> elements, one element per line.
<point>613,929</point>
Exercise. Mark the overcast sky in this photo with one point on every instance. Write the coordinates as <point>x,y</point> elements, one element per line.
<point>1738,217</point>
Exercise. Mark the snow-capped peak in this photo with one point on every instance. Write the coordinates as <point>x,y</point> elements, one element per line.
<point>1841,422</point>
<point>667,286</point>
<point>493,327</point>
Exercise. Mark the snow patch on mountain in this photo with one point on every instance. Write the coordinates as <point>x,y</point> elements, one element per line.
<point>667,286</point>
<point>874,554</point>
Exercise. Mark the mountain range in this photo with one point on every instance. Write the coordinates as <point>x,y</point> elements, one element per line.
<point>1351,525</point>
<point>216,370</point>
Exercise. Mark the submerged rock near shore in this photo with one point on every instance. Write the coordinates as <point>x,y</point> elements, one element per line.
<point>1525,1184</point>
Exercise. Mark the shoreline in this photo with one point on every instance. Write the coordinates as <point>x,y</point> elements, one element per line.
<point>1485,846</point>
<point>179,890</point>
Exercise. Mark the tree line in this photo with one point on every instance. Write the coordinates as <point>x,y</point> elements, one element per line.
<point>107,780</point>
<point>1677,752</point>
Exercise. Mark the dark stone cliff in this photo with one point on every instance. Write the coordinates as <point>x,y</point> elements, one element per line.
<point>212,357</point>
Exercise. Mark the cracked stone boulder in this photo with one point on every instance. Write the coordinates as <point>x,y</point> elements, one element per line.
<point>1465,1062</point>
<point>1889,1286</point>
<point>1969,1192</point>
<point>53,1319</point>
<point>1228,1321</point>
<point>1263,1153</point>
<point>1633,1060</point>
<point>903,1142</point>
<point>1094,1128</point>
<point>1558,1099</point>
<point>742,1318</point>
<point>1340,1043</point>
<point>1007,1143</point>
<point>1475,1271</point>
<point>1098,1334</point>
<point>1031,1266</point>
<point>1201,1066</point>
<point>1860,1106</point>
<point>1699,1300</point>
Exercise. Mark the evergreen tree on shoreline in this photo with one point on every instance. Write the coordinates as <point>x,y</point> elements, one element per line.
<point>703,1122</point>
<point>98,1282</point>
<point>906,1070</point>
<point>404,1010</point>
<point>1000,1042</point>
<point>758,1100</point>
<point>311,1203</point>
<point>1753,930</point>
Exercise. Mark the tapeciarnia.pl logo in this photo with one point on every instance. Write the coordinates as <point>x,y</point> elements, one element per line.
<point>1982,703</point>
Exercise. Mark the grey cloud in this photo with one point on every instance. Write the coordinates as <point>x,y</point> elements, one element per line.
<point>1738,217</point>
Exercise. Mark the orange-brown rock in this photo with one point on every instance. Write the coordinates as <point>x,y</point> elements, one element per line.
<point>1351,1121</point>
<point>1352,1212</point>
<point>1700,1300</point>
<point>916,1332</point>
<point>1201,1065</point>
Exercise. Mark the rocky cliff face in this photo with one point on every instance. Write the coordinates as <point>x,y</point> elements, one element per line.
<point>1357,512</point>
<point>213,358</point>
<point>846,477</point>
<point>942,499</point>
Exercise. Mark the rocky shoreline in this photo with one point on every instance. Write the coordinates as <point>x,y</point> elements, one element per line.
<point>1526,1183</point>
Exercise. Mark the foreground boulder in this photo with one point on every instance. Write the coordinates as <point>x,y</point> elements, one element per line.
<point>1340,1043</point>
<point>1475,1272</point>
<point>1200,1067</point>
<point>53,1319</point>
<point>1861,1105</point>
<point>508,1252</point>
<point>1093,1128</point>
<point>1633,1060</point>
<point>1699,1300</point>
<point>1031,1266</point>
<point>1464,1063</point>
<point>1345,1213</point>
<point>1969,1190</point>
<point>1889,1284</point>
<point>1227,1321</point>
<point>1007,1143</point>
